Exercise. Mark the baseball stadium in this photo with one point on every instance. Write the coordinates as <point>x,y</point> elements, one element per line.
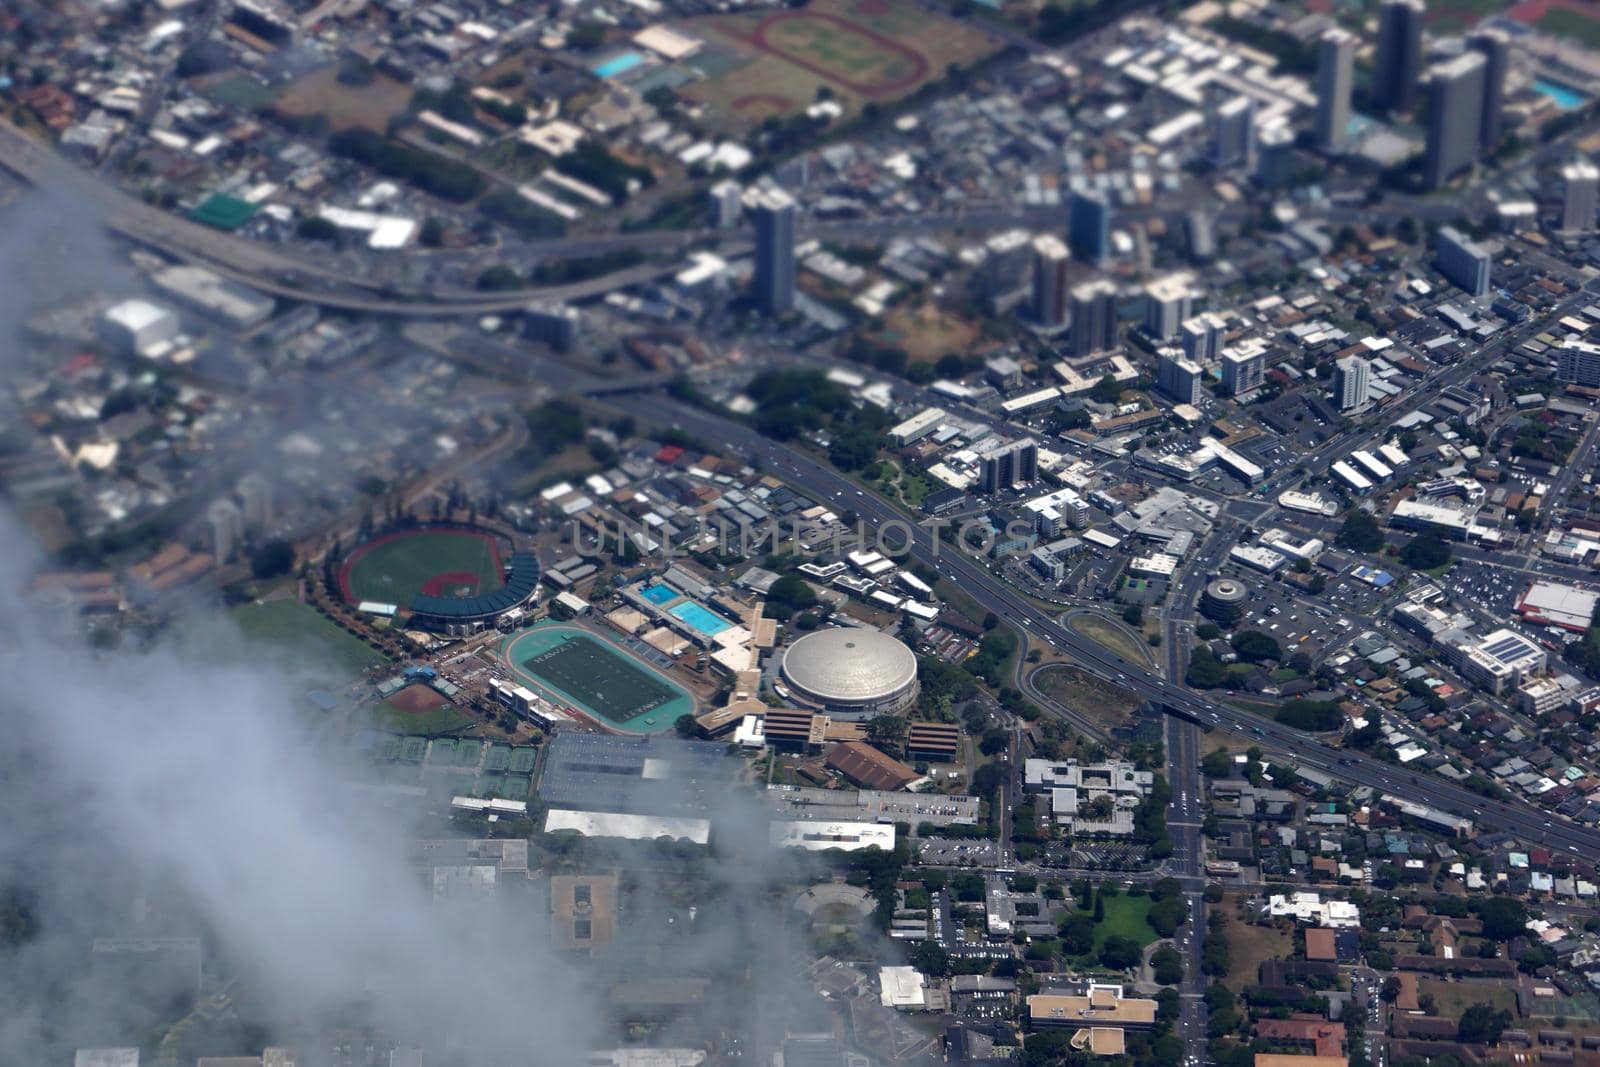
<point>589,674</point>
<point>448,578</point>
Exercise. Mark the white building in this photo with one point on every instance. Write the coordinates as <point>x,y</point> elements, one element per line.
<point>138,327</point>
<point>1311,909</point>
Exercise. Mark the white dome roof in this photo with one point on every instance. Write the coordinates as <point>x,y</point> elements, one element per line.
<point>849,666</point>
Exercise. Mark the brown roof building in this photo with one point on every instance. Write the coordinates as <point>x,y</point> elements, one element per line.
<point>1320,1036</point>
<point>865,765</point>
<point>583,911</point>
<point>1320,944</point>
<point>1100,1006</point>
<point>1278,1059</point>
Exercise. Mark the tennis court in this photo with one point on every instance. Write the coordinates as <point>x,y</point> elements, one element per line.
<point>585,672</point>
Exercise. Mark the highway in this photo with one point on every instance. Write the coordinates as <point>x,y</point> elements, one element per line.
<point>975,580</point>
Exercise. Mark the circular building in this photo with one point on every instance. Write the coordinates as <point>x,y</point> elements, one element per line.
<point>1223,601</point>
<point>848,671</point>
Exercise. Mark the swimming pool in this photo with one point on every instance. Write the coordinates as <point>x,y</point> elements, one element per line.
<point>618,65</point>
<point>1565,96</point>
<point>699,618</point>
<point>660,593</point>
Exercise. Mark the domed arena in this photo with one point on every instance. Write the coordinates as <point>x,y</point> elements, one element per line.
<point>852,672</point>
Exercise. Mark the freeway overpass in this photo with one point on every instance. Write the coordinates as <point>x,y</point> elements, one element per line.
<point>1527,822</point>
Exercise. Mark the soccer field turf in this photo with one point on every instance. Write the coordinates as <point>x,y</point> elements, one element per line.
<point>599,679</point>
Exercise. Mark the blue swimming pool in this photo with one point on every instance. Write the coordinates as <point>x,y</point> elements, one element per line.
<point>700,618</point>
<point>660,593</point>
<point>1565,96</point>
<point>618,65</point>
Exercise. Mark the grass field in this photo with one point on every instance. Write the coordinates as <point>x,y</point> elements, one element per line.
<point>1564,22</point>
<point>343,106</point>
<point>303,632</point>
<point>1452,998</point>
<point>1125,917</point>
<point>395,568</point>
<point>772,63</point>
<point>1112,635</point>
<point>926,333</point>
<point>1249,946</point>
<point>1083,692</point>
<point>599,680</point>
<point>442,719</point>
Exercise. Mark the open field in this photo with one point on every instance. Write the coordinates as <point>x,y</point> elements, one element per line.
<point>370,106</point>
<point>1249,946</point>
<point>1125,917</point>
<point>772,64</point>
<point>1083,692</point>
<point>927,333</point>
<point>303,632</point>
<point>396,568</point>
<point>1452,998</point>
<point>1112,635</point>
<point>1576,25</point>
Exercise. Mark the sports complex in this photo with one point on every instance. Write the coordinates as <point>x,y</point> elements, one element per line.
<point>589,674</point>
<point>446,577</point>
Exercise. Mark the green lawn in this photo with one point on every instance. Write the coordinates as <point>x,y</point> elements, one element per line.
<point>1112,635</point>
<point>302,632</point>
<point>1572,24</point>
<point>1126,917</point>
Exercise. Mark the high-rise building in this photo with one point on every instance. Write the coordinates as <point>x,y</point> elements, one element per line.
<point>226,527</point>
<point>1275,156</point>
<point>1178,377</point>
<point>1351,376</point>
<point>255,499</point>
<point>1009,465</point>
<point>1495,47</point>
<point>1094,317</point>
<point>555,324</point>
<point>1578,362</point>
<point>724,202</point>
<point>1336,57</point>
<point>1167,302</point>
<point>1580,196</point>
<point>774,215</point>
<point>1089,227</point>
<point>1398,58</point>
<point>1462,261</point>
<point>1455,112</point>
<point>1233,132</point>
<point>1050,265</point>
<point>1243,369</point>
<point>1201,336</point>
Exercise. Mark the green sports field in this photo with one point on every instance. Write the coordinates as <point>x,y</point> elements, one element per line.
<point>395,568</point>
<point>607,684</point>
<point>301,631</point>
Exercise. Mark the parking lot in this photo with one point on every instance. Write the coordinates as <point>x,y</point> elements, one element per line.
<point>947,852</point>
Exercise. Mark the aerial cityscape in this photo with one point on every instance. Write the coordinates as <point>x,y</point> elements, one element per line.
<point>833,533</point>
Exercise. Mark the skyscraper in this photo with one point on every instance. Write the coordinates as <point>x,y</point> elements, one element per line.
<point>1398,58</point>
<point>1089,227</point>
<point>1233,132</point>
<point>1178,377</point>
<point>1243,369</point>
<point>1580,196</point>
<point>1462,261</point>
<point>1350,377</point>
<point>1275,156</point>
<point>1201,336</point>
<point>1009,465</point>
<point>1050,263</point>
<point>1455,113</point>
<point>1094,317</point>
<point>1166,305</point>
<point>773,212</point>
<point>1495,47</point>
<point>1335,74</point>
<point>724,202</point>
